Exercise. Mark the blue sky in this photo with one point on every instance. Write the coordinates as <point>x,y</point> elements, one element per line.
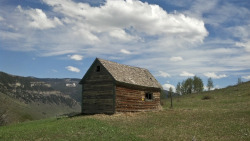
<point>173,39</point>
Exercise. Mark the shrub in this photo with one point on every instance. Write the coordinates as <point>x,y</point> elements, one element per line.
<point>206,97</point>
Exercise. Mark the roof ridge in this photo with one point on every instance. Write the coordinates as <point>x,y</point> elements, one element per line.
<point>122,64</point>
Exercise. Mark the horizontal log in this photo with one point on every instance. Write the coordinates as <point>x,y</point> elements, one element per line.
<point>99,78</point>
<point>134,100</point>
<point>97,84</point>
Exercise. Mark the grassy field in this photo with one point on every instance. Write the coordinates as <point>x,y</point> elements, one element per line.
<point>222,114</point>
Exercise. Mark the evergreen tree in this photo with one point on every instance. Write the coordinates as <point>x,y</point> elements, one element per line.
<point>210,84</point>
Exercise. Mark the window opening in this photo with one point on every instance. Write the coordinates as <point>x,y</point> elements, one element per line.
<point>98,68</point>
<point>149,96</point>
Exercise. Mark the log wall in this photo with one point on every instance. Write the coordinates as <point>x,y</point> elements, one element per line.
<point>133,100</point>
<point>98,92</point>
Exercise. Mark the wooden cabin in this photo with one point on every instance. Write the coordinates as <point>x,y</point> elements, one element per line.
<point>109,87</point>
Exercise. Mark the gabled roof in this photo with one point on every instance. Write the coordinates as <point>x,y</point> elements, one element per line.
<point>130,75</point>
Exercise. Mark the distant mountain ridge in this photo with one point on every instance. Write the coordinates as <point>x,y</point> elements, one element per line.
<point>39,98</point>
<point>68,86</point>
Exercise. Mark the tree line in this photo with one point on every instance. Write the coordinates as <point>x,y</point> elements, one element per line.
<point>193,85</point>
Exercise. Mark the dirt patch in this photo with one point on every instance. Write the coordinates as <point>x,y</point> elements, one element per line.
<point>120,116</point>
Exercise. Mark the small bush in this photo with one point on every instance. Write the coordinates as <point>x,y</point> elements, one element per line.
<point>206,97</point>
<point>26,117</point>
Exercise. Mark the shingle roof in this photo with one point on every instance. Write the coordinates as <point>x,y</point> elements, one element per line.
<point>130,75</point>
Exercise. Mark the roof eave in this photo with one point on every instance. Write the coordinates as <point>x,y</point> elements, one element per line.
<point>137,86</point>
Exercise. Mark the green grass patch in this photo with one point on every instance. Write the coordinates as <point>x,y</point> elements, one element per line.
<point>64,129</point>
<point>224,116</point>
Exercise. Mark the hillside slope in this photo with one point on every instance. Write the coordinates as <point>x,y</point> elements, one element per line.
<point>28,98</point>
<point>216,115</point>
<point>69,86</point>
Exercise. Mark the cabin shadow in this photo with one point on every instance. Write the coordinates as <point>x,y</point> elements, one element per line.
<point>75,114</point>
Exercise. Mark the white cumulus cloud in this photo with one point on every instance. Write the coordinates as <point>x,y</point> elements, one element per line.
<point>246,77</point>
<point>163,74</point>
<point>246,45</point>
<point>155,37</point>
<point>214,75</point>
<point>167,87</point>
<point>129,18</point>
<point>124,51</point>
<point>73,27</point>
<point>186,74</point>
<point>121,35</point>
<point>206,88</point>
<point>73,69</point>
<point>76,57</point>
<point>38,19</point>
<point>175,59</point>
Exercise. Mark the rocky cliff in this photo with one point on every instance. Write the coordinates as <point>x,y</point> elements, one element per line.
<point>28,98</point>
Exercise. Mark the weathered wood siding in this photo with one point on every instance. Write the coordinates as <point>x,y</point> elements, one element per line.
<point>98,92</point>
<point>133,100</point>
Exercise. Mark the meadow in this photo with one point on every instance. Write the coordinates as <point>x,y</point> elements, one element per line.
<point>222,114</point>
